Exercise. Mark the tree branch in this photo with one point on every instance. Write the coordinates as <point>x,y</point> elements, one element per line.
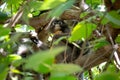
<point>90,60</point>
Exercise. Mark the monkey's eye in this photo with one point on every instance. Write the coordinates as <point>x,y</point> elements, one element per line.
<point>60,22</point>
<point>54,23</point>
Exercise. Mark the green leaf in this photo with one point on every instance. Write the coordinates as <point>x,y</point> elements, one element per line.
<point>62,77</point>
<point>13,70</point>
<point>93,2</point>
<point>58,40</point>
<point>35,5</point>
<point>13,57</point>
<point>100,43</point>
<point>65,68</point>
<point>82,30</point>
<point>16,2</point>
<point>26,11</point>
<point>117,39</point>
<point>60,9</point>
<point>44,68</point>
<point>82,15</point>
<point>104,21</point>
<point>64,71</point>
<point>4,31</point>
<point>114,18</point>
<point>107,76</point>
<point>3,68</point>
<point>111,68</point>
<point>18,62</point>
<point>4,73</point>
<point>3,65</point>
<point>42,60</point>
<point>32,5</point>
<point>49,4</point>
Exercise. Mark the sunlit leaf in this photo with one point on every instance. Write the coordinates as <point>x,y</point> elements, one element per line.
<point>107,76</point>
<point>13,57</point>
<point>48,4</point>
<point>93,3</point>
<point>15,71</point>
<point>31,6</point>
<point>16,2</point>
<point>111,68</point>
<point>82,30</point>
<point>4,31</point>
<point>60,9</point>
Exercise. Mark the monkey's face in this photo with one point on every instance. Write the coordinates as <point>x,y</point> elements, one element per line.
<point>59,26</point>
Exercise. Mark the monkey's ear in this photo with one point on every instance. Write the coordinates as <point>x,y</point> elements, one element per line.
<point>60,22</point>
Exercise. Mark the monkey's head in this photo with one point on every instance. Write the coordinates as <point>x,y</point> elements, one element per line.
<point>59,26</point>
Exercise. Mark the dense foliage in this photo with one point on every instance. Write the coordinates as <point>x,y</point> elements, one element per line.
<point>27,57</point>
